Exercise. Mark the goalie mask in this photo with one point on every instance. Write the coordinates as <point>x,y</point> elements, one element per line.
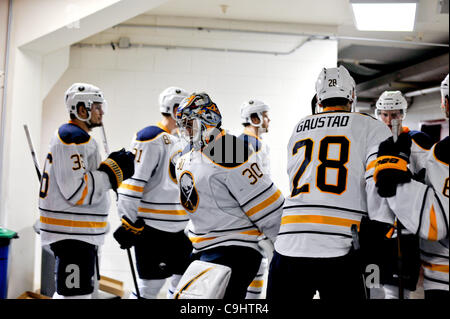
<point>84,93</point>
<point>390,101</point>
<point>198,117</point>
<point>335,83</point>
<point>171,98</point>
<point>253,107</point>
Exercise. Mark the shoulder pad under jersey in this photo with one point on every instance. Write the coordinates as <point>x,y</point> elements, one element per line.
<point>228,151</point>
<point>148,133</point>
<point>442,149</point>
<point>251,140</point>
<point>367,114</point>
<point>73,134</point>
<point>422,139</point>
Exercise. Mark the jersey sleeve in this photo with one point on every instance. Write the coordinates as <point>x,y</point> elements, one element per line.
<point>131,191</point>
<point>420,146</point>
<point>377,207</point>
<point>259,198</point>
<point>424,208</point>
<point>77,184</point>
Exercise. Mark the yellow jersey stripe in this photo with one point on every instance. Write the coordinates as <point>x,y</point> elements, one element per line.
<point>264,204</point>
<point>132,187</point>
<point>371,165</point>
<point>433,231</point>
<point>257,283</point>
<point>251,232</point>
<point>159,211</point>
<point>72,223</point>
<point>317,219</point>
<point>85,191</point>
<point>200,239</point>
<point>436,267</point>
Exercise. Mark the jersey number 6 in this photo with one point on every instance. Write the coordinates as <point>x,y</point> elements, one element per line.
<point>325,163</point>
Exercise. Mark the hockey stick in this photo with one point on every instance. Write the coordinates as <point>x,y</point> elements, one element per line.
<point>130,259</point>
<point>356,247</point>
<point>105,142</point>
<point>395,133</point>
<point>33,153</point>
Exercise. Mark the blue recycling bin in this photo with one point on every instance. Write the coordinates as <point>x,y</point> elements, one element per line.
<point>5,238</point>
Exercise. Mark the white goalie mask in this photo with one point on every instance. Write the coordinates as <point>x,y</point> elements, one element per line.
<point>198,119</point>
<point>335,83</point>
<point>171,97</point>
<point>87,94</point>
<point>390,101</point>
<point>253,107</point>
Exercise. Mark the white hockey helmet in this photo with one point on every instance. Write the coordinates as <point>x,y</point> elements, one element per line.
<point>444,94</point>
<point>391,100</point>
<point>171,97</point>
<point>250,107</point>
<point>85,93</point>
<point>335,83</point>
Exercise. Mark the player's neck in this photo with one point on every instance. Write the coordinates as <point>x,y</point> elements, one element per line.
<point>251,130</point>
<point>168,123</point>
<point>81,124</point>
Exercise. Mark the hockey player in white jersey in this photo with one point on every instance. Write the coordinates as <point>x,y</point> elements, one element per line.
<point>423,208</point>
<point>255,119</point>
<point>74,199</point>
<point>150,197</point>
<point>327,158</point>
<point>229,199</point>
<point>381,240</point>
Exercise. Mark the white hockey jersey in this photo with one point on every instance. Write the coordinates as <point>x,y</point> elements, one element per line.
<point>420,146</point>
<point>424,210</point>
<point>230,201</point>
<point>73,198</point>
<point>152,192</point>
<point>327,158</point>
<point>260,148</point>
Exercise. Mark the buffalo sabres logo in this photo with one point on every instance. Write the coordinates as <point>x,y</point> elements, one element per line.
<point>188,193</point>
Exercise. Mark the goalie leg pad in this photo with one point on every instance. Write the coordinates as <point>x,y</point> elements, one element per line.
<point>203,280</point>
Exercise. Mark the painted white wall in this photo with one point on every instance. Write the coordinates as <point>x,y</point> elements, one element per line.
<point>133,78</point>
<point>37,58</point>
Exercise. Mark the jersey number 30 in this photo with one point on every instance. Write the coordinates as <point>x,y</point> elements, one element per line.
<point>325,163</point>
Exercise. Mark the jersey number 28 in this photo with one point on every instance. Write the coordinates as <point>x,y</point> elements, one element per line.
<point>325,163</point>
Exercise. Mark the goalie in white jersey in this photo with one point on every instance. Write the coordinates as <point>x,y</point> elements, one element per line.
<point>255,119</point>
<point>422,208</point>
<point>74,199</point>
<point>229,200</point>
<point>150,197</point>
<point>327,158</point>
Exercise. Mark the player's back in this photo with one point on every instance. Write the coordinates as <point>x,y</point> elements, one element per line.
<point>327,158</point>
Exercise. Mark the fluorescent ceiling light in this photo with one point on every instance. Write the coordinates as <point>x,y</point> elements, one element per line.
<point>384,16</point>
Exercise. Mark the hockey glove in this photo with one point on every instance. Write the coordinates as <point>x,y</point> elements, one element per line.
<point>391,167</point>
<point>128,233</point>
<point>119,166</point>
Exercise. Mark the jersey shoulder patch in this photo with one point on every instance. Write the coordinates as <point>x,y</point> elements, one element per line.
<point>442,149</point>
<point>72,134</point>
<point>148,133</point>
<point>251,140</point>
<point>228,151</point>
<point>422,139</point>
